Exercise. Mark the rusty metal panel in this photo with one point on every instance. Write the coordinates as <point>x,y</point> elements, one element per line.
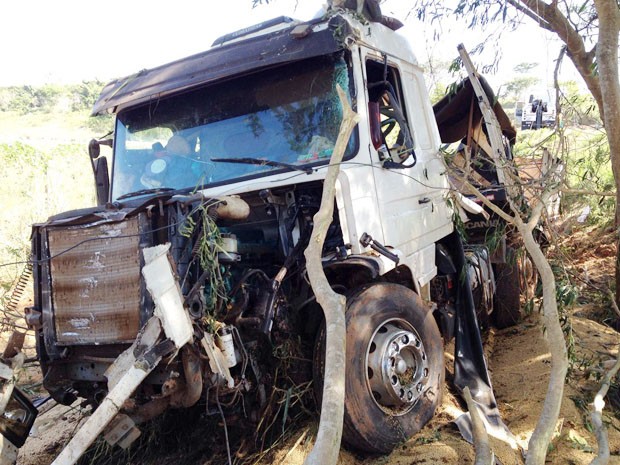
<point>96,284</point>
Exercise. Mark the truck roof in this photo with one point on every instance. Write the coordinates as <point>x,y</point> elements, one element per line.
<point>237,55</point>
<point>219,62</point>
<point>258,47</point>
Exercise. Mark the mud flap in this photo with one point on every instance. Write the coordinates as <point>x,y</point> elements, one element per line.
<point>470,367</point>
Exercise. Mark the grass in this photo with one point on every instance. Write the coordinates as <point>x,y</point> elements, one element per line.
<point>45,167</point>
<point>586,156</point>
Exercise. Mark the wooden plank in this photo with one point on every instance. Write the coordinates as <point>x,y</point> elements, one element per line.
<point>15,345</point>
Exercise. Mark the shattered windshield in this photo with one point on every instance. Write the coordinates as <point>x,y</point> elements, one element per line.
<point>289,116</point>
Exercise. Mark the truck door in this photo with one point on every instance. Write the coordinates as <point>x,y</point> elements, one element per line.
<point>412,183</point>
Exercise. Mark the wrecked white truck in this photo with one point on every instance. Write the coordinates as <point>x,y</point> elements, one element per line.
<point>221,158</point>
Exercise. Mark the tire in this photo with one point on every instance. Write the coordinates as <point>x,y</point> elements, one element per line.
<point>391,393</point>
<point>483,314</point>
<point>507,301</point>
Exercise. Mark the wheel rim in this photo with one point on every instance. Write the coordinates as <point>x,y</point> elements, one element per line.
<point>397,367</point>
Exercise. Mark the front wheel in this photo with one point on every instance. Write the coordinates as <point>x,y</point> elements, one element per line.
<point>395,367</point>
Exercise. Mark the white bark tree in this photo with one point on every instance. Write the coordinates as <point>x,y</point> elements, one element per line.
<point>484,455</point>
<point>540,439</point>
<point>327,446</point>
<point>526,221</point>
<point>590,33</point>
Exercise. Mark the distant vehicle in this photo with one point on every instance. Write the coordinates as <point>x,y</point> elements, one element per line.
<point>537,109</point>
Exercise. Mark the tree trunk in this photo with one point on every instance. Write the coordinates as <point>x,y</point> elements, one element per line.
<point>539,442</point>
<point>607,60</point>
<point>327,446</point>
<point>550,183</point>
<point>541,436</point>
<point>484,455</point>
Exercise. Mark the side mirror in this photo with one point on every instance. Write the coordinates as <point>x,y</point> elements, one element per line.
<point>17,418</point>
<point>102,180</point>
<point>94,149</point>
<point>17,415</point>
<point>100,169</point>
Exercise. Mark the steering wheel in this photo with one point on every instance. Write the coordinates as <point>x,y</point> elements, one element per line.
<point>390,123</point>
<point>155,172</point>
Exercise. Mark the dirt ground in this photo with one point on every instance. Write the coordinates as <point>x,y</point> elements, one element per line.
<point>518,361</point>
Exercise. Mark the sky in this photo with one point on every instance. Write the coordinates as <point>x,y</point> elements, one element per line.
<point>67,41</point>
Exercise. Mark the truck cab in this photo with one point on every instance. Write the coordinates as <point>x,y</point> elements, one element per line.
<point>288,113</point>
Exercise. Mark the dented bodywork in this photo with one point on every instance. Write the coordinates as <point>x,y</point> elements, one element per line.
<point>222,62</point>
<point>241,303</point>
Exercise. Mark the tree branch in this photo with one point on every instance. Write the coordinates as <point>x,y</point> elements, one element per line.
<point>532,15</point>
<point>588,192</point>
<point>541,437</point>
<point>552,186</point>
<point>327,445</point>
<point>602,457</point>
<point>484,455</point>
<point>614,305</point>
<point>471,189</point>
<point>556,84</point>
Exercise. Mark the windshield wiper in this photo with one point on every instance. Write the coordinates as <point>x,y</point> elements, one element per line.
<point>263,162</point>
<point>145,191</point>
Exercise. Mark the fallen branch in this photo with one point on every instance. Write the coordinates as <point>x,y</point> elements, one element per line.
<point>541,437</point>
<point>614,305</point>
<point>602,457</point>
<point>297,443</point>
<point>484,455</point>
<point>525,223</point>
<point>327,445</point>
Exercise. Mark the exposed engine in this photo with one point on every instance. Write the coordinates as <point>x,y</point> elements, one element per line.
<point>229,258</point>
